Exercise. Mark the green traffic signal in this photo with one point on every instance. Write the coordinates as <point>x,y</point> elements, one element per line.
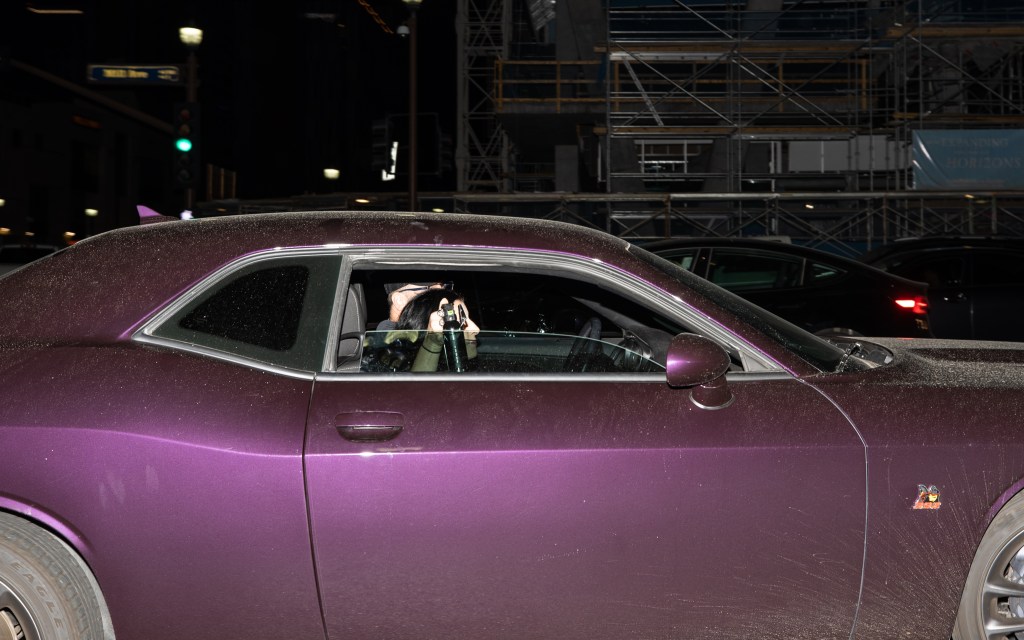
<point>185,134</point>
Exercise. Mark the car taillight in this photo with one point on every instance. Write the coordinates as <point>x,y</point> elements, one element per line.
<point>917,304</point>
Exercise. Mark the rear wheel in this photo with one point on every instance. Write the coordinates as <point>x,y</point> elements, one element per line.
<point>992,604</point>
<point>46,591</point>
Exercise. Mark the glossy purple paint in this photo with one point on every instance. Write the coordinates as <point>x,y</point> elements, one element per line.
<point>694,361</point>
<point>574,511</point>
<point>183,477</point>
<point>943,413</point>
<point>213,498</point>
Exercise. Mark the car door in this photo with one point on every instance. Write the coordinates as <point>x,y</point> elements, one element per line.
<point>582,505</point>
<point>997,292</point>
<point>949,293</point>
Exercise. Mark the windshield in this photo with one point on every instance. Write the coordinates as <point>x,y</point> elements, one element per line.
<point>819,352</point>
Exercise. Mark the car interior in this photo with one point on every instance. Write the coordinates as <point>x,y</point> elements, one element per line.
<point>529,322</point>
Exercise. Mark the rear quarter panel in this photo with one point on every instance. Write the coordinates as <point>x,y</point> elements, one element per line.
<point>177,478</point>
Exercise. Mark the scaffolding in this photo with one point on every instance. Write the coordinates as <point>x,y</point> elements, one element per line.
<point>482,146</point>
<point>741,110</point>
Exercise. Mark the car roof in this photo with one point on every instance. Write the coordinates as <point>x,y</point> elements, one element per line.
<point>751,243</point>
<point>102,287</point>
<point>850,265</point>
<point>936,243</point>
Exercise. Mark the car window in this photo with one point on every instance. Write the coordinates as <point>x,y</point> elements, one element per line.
<point>938,271</point>
<point>274,311</point>
<point>752,270</point>
<point>998,267</point>
<point>821,272</point>
<point>683,257</point>
<point>528,323</point>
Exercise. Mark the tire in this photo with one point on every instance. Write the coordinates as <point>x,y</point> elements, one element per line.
<point>46,591</point>
<point>993,596</point>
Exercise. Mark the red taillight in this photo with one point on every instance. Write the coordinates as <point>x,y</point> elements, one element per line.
<point>917,304</point>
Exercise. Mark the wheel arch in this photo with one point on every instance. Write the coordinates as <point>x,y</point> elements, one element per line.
<point>1002,530</point>
<point>1000,503</point>
<point>55,525</point>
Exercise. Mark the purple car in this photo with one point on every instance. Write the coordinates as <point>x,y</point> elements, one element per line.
<point>214,429</point>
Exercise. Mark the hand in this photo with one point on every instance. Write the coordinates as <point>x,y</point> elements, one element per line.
<point>470,328</point>
<point>437,319</point>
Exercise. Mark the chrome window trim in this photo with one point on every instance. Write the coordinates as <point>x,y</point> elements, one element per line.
<point>145,333</point>
<point>224,356</point>
<point>657,377</point>
<point>461,258</point>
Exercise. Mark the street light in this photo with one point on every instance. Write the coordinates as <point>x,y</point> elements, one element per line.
<point>191,37</point>
<point>413,116</point>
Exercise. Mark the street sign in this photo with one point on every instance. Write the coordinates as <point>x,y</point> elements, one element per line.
<point>156,74</point>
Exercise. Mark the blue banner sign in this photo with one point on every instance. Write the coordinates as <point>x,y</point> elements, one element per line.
<point>969,159</point>
<point>162,74</point>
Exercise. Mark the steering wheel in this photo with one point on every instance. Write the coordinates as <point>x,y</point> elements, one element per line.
<point>583,347</point>
<point>633,353</point>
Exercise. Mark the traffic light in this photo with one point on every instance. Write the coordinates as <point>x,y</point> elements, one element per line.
<point>383,137</point>
<point>445,153</point>
<point>392,144</point>
<point>186,144</point>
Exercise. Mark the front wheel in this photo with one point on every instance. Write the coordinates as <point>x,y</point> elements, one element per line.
<point>46,591</point>
<point>992,603</point>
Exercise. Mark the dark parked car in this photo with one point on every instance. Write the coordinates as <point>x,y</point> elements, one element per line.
<point>822,292</point>
<point>15,256</point>
<point>204,434</point>
<point>976,285</point>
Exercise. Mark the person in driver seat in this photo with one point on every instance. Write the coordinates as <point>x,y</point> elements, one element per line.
<point>419,337</point>
<point>400,295</point>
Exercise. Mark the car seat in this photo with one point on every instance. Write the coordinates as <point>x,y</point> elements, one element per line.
<point>353,324</point>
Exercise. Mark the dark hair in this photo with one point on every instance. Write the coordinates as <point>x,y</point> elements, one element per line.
<point>416,315</point>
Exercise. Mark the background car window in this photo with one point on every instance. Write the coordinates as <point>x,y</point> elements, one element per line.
<point>742,270</point>
<point>937,271</point>
<point>820,272</point>
<point>684,258</point>
<point>273,311</point>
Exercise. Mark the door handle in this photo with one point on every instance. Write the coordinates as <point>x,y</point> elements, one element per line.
<point>369,426</point>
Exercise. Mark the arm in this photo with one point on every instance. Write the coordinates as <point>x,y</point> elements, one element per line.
<point>429,352</point>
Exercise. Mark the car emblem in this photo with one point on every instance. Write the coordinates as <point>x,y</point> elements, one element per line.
<point>927,497</point>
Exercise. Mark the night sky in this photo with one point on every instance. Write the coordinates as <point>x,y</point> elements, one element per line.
<point>283,93</point>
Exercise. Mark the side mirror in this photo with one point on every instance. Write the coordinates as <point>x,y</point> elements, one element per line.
<point>696,362</point>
